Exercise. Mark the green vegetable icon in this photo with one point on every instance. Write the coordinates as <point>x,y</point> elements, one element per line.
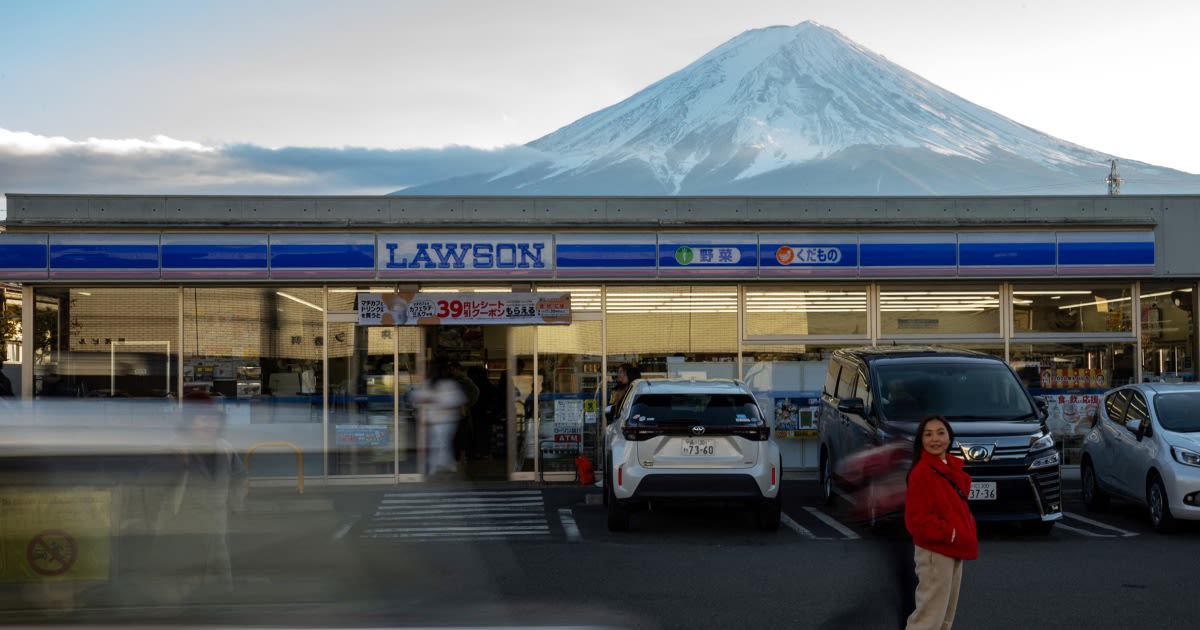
<point>684,255</point>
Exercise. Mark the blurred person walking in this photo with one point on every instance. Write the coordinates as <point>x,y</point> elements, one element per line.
<point>439,401</point>
<point>200,485</point>
<point>466,420</point>
<point>939,519</point>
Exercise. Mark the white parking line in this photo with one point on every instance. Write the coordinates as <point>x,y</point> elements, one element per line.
<point>832,522</point>
<point>797,527</point>
<point>346,528</point>
<point>1120,532</point>
<point>569,526</point>
<point>1085,532</point>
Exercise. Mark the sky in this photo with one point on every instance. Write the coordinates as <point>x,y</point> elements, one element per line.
<point>370,96</point>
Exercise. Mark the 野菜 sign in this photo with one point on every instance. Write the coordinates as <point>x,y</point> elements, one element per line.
<point>432,309</point>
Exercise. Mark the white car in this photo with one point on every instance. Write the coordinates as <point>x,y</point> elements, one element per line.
<point>690,440</point>
<point>1145,447</point>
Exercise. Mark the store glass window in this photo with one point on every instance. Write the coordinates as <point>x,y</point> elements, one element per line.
<point>584,299</point>
<point>259,351</point>
<point>797,311</point>
<point>1168,331</point>
<point>922,310</point>
<point>1072,308</point>
<point>1071,378</point>
<point>673,331</point>
<point>10,342</point>
<point>106,342</point>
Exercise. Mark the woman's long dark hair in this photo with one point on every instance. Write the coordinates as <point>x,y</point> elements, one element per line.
<point>919,446</point>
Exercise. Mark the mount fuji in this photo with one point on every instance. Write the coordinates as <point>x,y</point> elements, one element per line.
<point>802,110</point>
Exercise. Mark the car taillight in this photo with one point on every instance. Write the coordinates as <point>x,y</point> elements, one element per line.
<point>758,434</point>
<point>638,434</point>
<point>620,475</point>
<point>772,474</point>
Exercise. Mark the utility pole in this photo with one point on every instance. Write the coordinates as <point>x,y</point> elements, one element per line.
<point>1114,180</point>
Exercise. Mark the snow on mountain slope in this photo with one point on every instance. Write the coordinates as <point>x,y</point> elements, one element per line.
<point>788,95</point>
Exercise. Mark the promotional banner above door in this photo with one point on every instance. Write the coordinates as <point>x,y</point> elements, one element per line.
<point>433,309</point>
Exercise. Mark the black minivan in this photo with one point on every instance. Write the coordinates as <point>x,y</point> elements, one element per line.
<point>877,395</point>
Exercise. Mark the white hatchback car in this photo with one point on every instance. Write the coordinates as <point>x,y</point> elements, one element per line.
<point>690,440</point>
<point>1145,447</point>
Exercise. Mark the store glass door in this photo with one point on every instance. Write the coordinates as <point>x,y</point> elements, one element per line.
<point>557,376</point>
<point>372,429</point>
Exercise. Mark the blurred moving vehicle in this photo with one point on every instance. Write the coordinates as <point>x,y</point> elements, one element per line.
<point>1145,447</point>
<point>876,396</point>
<point>691,440</point>
<point>877,480</point>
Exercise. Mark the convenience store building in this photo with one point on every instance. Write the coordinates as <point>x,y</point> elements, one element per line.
<point>310,317</point>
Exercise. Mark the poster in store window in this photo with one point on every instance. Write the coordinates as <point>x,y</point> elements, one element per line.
<point>796,417</point>
<point>1071,415</point>
<point>568,426</point>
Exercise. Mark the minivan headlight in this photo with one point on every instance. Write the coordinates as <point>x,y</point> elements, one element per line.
<point>1042,443</point>
<point>1185,456</point>
<point>1048,460</point>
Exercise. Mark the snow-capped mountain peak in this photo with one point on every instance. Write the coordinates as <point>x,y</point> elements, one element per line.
<point>779,96</point>
<point>802,110</point>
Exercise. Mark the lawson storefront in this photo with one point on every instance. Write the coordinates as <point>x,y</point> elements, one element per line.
<point>311,318</point>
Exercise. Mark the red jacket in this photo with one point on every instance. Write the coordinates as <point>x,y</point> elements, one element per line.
<point>933,511</point>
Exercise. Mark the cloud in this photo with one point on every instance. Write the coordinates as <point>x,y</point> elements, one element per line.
<point>30,163</point>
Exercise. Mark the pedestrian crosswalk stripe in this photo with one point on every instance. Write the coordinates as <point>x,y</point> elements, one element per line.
<point>461,503</point>
<point>459,515</point>
<point>462,493</point>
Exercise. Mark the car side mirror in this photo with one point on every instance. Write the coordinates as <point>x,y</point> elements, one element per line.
<point>851,405</point>
<point>608,413</point>
<point>1043,409</point>
<point>1135,426</point>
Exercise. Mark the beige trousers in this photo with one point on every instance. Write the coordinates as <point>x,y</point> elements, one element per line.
<point>938,579</point>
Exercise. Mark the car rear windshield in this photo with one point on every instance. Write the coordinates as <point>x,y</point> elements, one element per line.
<point>1179,412</point>
<point>982,390</point>
<point>703,409</point>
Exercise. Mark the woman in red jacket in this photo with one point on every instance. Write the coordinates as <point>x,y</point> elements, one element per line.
<point>940,521</point>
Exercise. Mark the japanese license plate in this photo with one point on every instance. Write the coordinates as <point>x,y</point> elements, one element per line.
<point>983,491</point>
<point>699,446</point>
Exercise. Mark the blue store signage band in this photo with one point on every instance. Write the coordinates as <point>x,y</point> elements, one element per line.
<point>576,255</point>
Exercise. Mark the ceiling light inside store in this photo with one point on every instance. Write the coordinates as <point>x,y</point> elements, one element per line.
<point>1097,302</point>
<point>1052,292</point>
<point>1162,293</point>
<point>299,301</point>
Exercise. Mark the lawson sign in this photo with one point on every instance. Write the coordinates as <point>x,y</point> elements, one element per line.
<point>466,255</point>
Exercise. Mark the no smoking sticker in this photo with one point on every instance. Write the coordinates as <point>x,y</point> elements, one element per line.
<point>56,535</point>
<point>51,552</point>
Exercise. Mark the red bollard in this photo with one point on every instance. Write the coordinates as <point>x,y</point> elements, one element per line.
<point>584,470</point>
